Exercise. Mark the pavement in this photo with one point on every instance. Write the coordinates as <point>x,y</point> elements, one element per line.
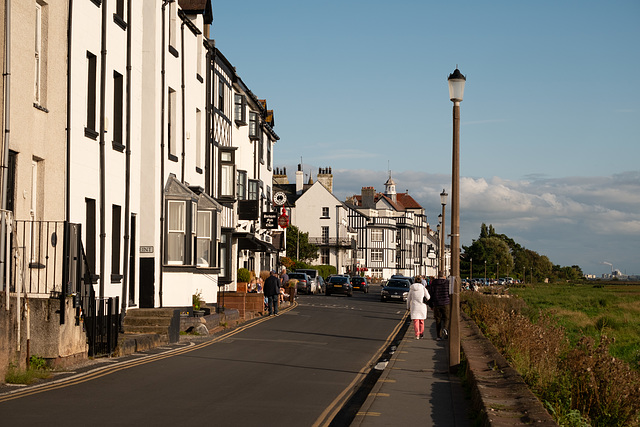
<point>416,387</point>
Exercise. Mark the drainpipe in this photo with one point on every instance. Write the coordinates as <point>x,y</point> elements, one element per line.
<point>5,157</point>
<point>103,83</point>
<point>67,205</point>
<point>127,184</point>
<point>162,102</point>
<point>207,119</point>
<point>182,87</point>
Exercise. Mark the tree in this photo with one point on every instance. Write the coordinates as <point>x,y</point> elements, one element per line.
<point>515,260</point>
<point>491,249</point>
<point>298,246</point>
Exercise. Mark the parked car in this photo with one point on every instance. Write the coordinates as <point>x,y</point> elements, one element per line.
<point>360,284</point>
<point>314,276</point>
<point>339,285</point>
<point>321,284</point>
<point>305,285</point>
<point>396,289</point>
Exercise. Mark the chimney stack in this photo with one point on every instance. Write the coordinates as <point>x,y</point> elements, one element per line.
<point>280,176</point>
<point>325,177</point>
<point>299,180</point>
<point>368,197</point>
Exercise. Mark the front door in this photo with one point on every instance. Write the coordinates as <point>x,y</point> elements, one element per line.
<point>147,280</point>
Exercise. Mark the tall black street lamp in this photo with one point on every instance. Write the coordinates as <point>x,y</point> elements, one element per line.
<point>443,202</point>
<point>456,92</point>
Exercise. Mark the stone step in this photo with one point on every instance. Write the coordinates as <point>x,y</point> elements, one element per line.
<point>150,329</point>
<point>151,312</point>
<point>146,321</point>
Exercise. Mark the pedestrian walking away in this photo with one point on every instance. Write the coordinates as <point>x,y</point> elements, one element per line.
<point>417,306</point>
<point>272,292</point>
<point>439,289</point>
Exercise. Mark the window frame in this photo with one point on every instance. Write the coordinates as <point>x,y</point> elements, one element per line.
<point>253,188</point>
<point>242,185</point>
<point>201,237</point>
<point>38,54</point>
<point>116,227</point>
<point>324,256</point>
<point>199,155</point>
<point>254,125</point>
<point>377,235</point>
<point>269,156</point>
<point>221,90</point>
<point>181,230</point>
<point>325,212</point>
<point>324,234</point>
<point>240,109</point>
<point>227,163</point>
<point>91,96</point>
<point>118,112</point>
<point>172,124</point>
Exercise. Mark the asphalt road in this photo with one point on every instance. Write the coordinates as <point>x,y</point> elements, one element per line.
<point>296,369</point>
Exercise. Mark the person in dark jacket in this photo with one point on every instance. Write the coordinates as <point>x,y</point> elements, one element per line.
<point>439,291</point>
<point>272,292</point>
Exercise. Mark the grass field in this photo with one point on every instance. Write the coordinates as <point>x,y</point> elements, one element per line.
<point>592,310</point>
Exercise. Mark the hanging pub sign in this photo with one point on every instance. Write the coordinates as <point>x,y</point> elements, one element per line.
<point>269,220</point>
<point>283,220</point>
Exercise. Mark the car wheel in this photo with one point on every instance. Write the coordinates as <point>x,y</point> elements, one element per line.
<point>328,293</point>
<point>350,294</point>
<point>366,290</point>
<point>382,299</point>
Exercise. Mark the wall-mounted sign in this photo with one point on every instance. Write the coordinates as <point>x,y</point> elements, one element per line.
<point>146,249</point>
<point>270,220</point>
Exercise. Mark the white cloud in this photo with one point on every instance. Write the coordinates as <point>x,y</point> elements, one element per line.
<point>573,220</point>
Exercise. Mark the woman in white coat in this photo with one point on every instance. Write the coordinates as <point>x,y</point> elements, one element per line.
<point>417,306</point>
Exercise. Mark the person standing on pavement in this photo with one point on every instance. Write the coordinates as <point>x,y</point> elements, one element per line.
<point>417,307</point>
<point>272,292</point>
<point>284,278</point>
<point>440,297</point>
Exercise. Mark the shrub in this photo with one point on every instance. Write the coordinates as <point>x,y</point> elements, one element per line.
<point>579,384</point>
<point>244,275</point>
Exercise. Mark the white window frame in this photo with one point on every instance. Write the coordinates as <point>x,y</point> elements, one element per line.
<point>203,237</point>
<point>198,138</point>
<point>377,255</point>
<point>377,235</point>
<point>38,54</point>
<point>179,231</point>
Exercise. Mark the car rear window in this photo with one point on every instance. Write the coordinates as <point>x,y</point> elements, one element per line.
<point>338,279</point>
<point>298,276</point>
<point>310,273</point>
<point>398,283</point>
<point>357,280</point>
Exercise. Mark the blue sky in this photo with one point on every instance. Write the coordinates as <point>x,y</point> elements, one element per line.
<point>550,122</point>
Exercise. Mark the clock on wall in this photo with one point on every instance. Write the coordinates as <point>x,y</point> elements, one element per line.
<point>279,198</point>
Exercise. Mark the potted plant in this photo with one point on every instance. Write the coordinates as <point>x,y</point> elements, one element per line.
<point>197,302</point>
<point>244,277</point>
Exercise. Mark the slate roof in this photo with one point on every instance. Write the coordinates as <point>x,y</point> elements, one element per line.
<point>403,201</point>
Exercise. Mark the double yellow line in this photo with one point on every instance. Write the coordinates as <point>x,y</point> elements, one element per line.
<point>103,371</point>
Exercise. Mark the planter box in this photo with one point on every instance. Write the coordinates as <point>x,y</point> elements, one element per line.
<point>248,304</point>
